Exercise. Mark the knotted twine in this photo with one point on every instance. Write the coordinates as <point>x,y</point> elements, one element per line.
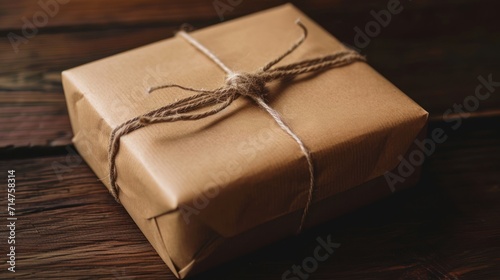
<point>251,85</point>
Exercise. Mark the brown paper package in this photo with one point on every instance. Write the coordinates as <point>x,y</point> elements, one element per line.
<point>206,191</point>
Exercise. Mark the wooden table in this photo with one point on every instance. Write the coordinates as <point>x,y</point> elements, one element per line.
<point>448,227</point>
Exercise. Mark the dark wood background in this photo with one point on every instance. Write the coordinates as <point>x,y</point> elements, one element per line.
<point>448,227</point>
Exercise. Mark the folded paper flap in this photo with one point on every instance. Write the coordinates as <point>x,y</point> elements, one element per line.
<point>237,169</point>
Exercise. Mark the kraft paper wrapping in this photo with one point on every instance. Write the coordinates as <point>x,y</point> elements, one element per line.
<point>206,191</point>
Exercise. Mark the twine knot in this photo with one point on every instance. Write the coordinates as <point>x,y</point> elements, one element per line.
<point>247,84</point>
<point>252,85</point>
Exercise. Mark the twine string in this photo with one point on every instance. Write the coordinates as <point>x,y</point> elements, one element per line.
<point>251,85</point>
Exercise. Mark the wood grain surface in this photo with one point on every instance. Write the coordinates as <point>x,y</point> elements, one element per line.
<point>69,227</point>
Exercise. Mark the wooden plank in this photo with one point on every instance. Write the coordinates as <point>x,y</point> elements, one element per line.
<point>426,34</point>
<point>37,64</point>
<point>34,119</point>
<point>78,13</point>
<point>445,228</point>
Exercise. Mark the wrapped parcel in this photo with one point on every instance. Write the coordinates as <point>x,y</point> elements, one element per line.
<point>206,191</point>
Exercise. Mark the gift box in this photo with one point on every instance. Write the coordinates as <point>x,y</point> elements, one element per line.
<point>207,190</point>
